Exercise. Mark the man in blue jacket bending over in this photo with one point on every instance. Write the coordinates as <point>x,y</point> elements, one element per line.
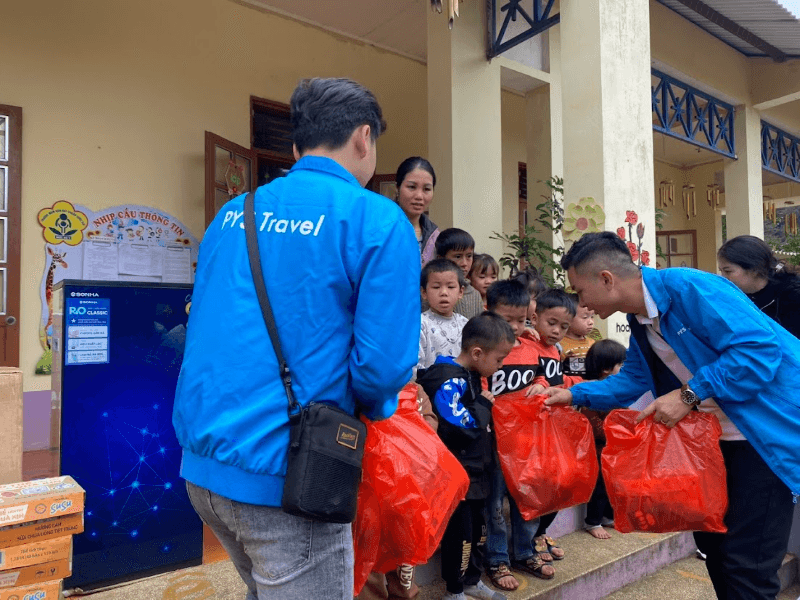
<point>341,266</point>
<point>697,340</point>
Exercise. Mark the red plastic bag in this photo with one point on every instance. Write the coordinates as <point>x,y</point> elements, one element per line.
<point>547,454</point>
<point>411,486</point>
<point>660,479</point>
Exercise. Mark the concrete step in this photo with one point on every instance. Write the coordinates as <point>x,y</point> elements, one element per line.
<point>593,569</point>
<point>566,522</point>
<point>687,579</point>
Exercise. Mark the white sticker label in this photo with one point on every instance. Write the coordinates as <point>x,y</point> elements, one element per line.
<point>26,484</point>
<point>9,579</point>
<point>13,514</point>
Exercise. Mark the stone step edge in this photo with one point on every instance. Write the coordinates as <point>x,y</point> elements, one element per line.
<point>669,550</point>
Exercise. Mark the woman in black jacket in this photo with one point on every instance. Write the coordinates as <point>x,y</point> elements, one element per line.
<point>749,263</point>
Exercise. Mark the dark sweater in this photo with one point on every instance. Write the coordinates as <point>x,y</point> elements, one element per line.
<point>472,446</point>
<point>780,301</point>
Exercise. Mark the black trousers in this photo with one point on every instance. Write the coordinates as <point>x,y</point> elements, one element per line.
<point>743,563</point>
<point>599,506</point>
<point>545,522</point>
<point>462,546</point>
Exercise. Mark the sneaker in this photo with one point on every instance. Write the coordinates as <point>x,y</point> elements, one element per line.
<point>449,596</point>
<point>482,592</point>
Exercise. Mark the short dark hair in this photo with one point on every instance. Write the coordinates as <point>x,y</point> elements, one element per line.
<point>481,263</point>
<point>486,331</point>
<point>533,282</point>
<point>753,254</point>
<point>453,239</point>
<point>575,298</point>
<point>507,292</point>
<point>411,164</point>
<point>604,355</point>
<point>555,298</point>
<point>441,265</point>
<point>605,248</point>
<point>325,112</point>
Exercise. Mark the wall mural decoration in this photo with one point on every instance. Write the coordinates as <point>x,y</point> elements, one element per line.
<point>642,257</point>
<point>62,224</point>
<point>119,243</point>
<point>583,216</point>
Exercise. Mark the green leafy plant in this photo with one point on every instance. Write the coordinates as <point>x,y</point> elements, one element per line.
<point>790,247</point>
<point>529,248</point>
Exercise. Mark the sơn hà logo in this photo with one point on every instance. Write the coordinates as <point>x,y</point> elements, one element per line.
<point>62,224</point>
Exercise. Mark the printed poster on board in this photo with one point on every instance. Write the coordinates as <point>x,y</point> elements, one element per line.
<point>120,243</point>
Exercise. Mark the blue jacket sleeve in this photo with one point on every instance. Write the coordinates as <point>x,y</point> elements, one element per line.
<point>749,351</point>
<point>386,318</point>
<point>448,403</point>
<point>620,390</point>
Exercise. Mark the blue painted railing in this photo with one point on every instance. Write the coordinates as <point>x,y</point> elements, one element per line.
<point>538,21</point>
<point>780,152</point>
<point>686,113</point>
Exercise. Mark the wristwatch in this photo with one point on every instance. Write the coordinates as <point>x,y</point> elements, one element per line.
<point>688,396</point>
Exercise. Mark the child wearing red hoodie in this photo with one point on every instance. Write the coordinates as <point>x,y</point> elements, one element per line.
<point>510,300</point>
<point>554,313</point>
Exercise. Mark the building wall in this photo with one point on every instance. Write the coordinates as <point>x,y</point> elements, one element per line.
<point>116,98</point>
<point>694,56</point>
<point>514,152</point>
<point>682,45</point>
<point>704,223</point>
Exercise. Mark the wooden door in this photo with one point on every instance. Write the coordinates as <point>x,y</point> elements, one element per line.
<point>230,171</point>
<point>10,210</point>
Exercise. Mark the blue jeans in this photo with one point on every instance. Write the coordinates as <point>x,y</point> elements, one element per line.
<point>522,531</point>
<point>276,554</point>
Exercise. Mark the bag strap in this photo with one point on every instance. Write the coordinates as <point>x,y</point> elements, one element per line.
<point>263,300</point>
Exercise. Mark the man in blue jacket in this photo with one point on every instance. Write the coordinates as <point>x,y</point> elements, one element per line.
<point>342,271</point>
<point>698,341</point>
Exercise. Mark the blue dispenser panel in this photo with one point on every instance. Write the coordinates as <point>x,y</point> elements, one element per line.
<point>123,347</point>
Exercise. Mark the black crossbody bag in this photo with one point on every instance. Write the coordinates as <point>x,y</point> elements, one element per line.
<point>326,444</point>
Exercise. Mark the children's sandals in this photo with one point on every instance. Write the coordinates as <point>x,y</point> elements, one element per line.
<point>501,571</point>
<point>554,549</point>
<point>540,545</point>
<point>535,566</point>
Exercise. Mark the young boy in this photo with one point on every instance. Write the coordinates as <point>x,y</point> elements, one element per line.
<point>459,246</point>
<point>464,412</point>
<point>442,284</point>
<point>555,311</point>
<point>576,342</point>
<point>510,300</point>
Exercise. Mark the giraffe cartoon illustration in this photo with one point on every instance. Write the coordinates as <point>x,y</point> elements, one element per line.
<point>57,260</point>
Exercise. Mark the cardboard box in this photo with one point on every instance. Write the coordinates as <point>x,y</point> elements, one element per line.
<point>48,590</point>
<point>39,499</point>
<point>37,531</point>
<point>25,555</point>
<point>34,574</point>
<point>11,424</point>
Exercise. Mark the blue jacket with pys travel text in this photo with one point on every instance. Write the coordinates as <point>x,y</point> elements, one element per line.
<point>342,269</point>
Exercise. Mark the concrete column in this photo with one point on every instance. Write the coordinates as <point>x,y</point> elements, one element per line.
<point>744,203</point>
<point>608,133</point>
<point>464,127</point>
